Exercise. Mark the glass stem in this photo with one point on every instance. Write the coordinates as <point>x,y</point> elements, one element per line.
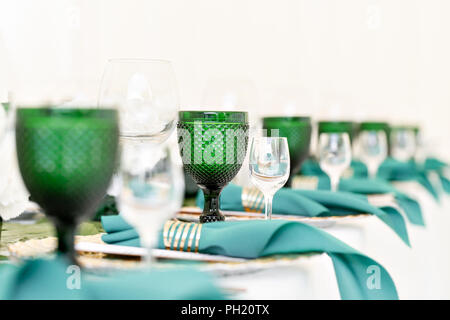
<point>268,206</point>
<point>334,180</point>
<point>211,212</point>
<point>66,241</point>
<point>373,172</point>
<point>147,242</point>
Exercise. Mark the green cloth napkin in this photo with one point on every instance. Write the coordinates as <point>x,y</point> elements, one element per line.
<point>394,170</point>
<point>267,238</point>
<point>316,203</point>
<point>312,168</point>
<point>390,170</point>
<point>45,279</point>
<point>368,186</point>
<point>438,166</point>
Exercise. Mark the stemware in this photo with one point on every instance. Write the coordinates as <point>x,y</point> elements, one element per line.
<point>297,131</point>
<point>403,143</point>
<point>335,155</point>
<point>66,158</point>
<point>152,189</point>
<point>146,94</point>
<point>213,145</point>
<point>269,164</point>
<point>373,146</point>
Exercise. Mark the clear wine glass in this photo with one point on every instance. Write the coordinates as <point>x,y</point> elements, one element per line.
<point>269,167</point>
<point>403,143</point>
<point>335,155</point>
<point>145,92</point>
<point>373,149</point>
<point>152,188</point>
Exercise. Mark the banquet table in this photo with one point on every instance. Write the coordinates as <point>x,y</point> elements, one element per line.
<point>419,272</point>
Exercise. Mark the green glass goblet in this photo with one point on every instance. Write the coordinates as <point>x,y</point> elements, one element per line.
<point>213,145</point>
<point>297,130</point>
<point>66,159</point>
<point>337,127</point>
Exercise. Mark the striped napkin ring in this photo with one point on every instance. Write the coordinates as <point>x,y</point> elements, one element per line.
<point>252,199</point>
<point>176,233</point>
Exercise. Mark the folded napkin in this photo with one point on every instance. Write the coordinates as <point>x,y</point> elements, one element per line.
<point>434,164</point>
<point>310,203</point>
<point>312,168</point>
<point>368,186</point>
<point>390,170</point>
<point>361,184</point>
<point>265,238</point>
<point>438,166</point>
<point>52,279</point>
<point>394,170</point>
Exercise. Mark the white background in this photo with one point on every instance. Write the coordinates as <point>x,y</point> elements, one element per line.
<point>356,59</point>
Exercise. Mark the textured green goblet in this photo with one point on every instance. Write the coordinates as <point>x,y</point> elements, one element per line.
<point>67,158</point>
<point>297,130</point>
<point>212,145</point>
<point>337,127</point>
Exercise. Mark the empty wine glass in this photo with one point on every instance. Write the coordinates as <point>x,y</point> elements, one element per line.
<point>335,155</point>
<point>269,167</point>
<point>403,143</point>
<point>373,149</point>
<point>152,188</point>
<point>146,95</point>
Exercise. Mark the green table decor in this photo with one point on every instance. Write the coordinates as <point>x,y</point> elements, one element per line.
<point>213,145</point>
<point>66,158</point>
<point>268,238</point>
<point>395,170</point>
<point>361,184</point>
<point>311,167</point>
<point>391,170</point>
<point>337,127</point>
<point>297,130</point>
<point>438,166</point>
<point>54,279</point>
<point>312,203</point>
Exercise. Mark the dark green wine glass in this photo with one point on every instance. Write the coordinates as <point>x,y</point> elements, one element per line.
<point>297,130</point>
<point>213,145</point>
<point>337,127</point>
<point>66,159</point>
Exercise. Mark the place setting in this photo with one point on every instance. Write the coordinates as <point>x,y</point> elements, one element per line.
<point>172,171</point>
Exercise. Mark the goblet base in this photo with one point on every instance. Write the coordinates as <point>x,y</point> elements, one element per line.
<point>211,211</point>
<point>207,218</point>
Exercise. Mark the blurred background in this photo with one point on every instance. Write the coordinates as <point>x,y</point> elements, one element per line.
<point>348,59</point>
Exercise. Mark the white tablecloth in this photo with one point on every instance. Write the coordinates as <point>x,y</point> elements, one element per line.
<point>419,272</point>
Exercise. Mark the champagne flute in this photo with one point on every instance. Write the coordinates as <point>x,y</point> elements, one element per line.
<point>335,155</point>
<point>269,167</point>
<point>373,148</point>
<point>152,188</point>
